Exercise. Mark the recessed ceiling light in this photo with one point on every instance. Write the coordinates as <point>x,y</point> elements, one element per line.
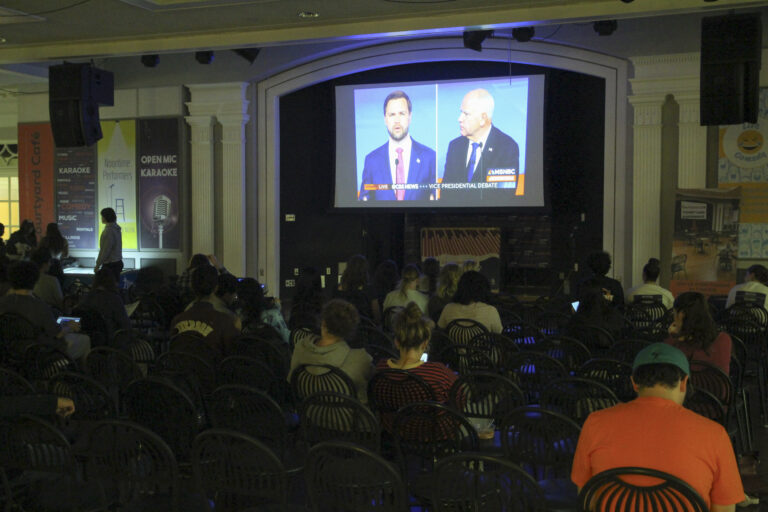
<point>3,40</point>
<point>308,14</point>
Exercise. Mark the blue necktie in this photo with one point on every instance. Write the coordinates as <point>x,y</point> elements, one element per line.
<point>471,164</point>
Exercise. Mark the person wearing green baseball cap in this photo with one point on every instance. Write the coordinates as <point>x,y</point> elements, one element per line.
<point>655,431</point>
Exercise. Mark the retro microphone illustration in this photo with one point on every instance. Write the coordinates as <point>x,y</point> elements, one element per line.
<point>161,210</point>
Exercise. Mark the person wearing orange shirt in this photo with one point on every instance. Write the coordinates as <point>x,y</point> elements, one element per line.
<point>655,431</point>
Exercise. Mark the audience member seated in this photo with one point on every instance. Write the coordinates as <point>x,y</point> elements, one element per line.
<point>385,279</point>
<point>471,301</point>
<point>694,332</point>
<point>754,283</point>
<point>307,301</point>
<point>406,291</point>
<point>105,299</point>
<point>355,289</point>
<point>184,282</point>
<point>651,272</point>
<point>217,329</point>
<point>22,241</point>
<point>595,309</point>
<point>21,301</point>
<point>600,263</point>
<point>55,242</point>
<point>656,431</point>
<point>430,269</point>
<point>446,289</point>
<point>412,333</point>
<point>47,288</point>
<point>339,322</point>
<point>255,309</point>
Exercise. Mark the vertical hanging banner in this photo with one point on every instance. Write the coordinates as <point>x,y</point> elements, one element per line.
<point>159,161</point>
<point>117,176</point>
<point>75,170</point>
<point>36,201</point>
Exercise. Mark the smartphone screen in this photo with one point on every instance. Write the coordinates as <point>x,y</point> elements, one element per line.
<point>424,357</point>
<point>575,305</point>
<point>63,319</point>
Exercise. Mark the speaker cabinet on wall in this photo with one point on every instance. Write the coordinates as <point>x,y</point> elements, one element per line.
<point>730,69</point>
<point>75,92</point>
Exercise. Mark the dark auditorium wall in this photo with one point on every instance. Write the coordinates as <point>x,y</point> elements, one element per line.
<point>573,160</point>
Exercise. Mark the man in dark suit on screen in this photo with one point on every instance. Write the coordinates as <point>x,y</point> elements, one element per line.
<point>483,154</point>
<point>401,160</point>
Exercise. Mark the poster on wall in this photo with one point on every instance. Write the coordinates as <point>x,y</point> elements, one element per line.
<point>704,249</point>
<point>458,245</point>
<point>75,171</point>
<point>159,162</point>
<point>743,161</point>
<point>117,176</point>
<point>36,200</point>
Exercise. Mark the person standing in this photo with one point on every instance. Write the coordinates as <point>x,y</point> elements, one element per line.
<point>110,244</point>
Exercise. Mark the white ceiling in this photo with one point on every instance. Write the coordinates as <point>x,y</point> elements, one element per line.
<point>39,32</point>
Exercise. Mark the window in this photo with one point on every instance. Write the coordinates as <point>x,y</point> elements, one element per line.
<point>9,188</point>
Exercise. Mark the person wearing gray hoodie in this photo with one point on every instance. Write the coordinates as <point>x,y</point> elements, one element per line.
<point>339,321</point>
<point>110,244</point>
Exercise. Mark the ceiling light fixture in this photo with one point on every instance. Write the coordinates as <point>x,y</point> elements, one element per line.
<point>204,57</point>
<point>523,34</point>
<point>473,39</point>
<point>605,27</point>
<point>307,15</point>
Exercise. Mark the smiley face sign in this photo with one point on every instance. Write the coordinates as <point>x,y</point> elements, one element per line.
<point>744,144</point>
<point>750,142</point>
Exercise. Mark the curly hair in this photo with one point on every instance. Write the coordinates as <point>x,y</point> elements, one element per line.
<point>340,318</point>
<point>473,287</point>
<point>599,262</point>
<point>448,280</point>
<point>698,330</point>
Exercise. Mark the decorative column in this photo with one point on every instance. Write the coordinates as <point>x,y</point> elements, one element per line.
<point>202,207</point>
<point>233,181</point>
<point>692,143</point>
<point>646,182</point>
<point>226,104</point>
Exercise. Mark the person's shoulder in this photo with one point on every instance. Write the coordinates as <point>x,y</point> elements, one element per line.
<point>376,152</point>
<point>419,147</point>
<point>499,136</point>
<point>359,355</point>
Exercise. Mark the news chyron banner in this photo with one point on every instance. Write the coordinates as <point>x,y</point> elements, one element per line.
<point>36,201</point>
<point>159,163</point>
<point>117,176</point>
<point>75,171</point>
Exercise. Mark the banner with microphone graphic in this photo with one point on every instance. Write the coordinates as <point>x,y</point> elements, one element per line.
<point>159,161</point>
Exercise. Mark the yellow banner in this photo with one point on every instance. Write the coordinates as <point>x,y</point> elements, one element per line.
<point>117,176</point>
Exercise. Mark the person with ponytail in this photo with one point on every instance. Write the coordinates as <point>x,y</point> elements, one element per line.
<point>754,282</point>
<point>651,272</point>
<point>412,333</point>
<point>406,292</point>
<point>447,283</point>
<point>694,332</point>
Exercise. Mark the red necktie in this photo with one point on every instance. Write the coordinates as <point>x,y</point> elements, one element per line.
<point>399,173</point>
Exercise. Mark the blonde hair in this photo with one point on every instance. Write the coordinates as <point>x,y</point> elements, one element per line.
<point>411,327</point>
<point>410,274</point>
<point>448,280</point>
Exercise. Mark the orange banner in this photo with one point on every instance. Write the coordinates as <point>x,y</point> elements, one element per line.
<point>36,194</point>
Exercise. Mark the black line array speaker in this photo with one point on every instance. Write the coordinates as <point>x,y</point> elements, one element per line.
<point>75,92</point>
<point>730,68</point>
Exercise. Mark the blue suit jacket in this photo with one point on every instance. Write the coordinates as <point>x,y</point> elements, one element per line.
<point>376,170</point>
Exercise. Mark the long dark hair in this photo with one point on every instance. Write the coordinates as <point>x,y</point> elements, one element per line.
<point>53,239</point>
<point>698,330</point>
<point>355,276</point>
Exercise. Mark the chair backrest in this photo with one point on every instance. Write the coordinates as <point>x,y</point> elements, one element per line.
<point>632,489</point>
<point>474,481</point>
<point>367,335</point>
<point>308,379</point>
<point>111,367</point>
<point>424,432</point>
<point>552,323</point>
<point>329,416</point>
<point>577,397</point>
<point>193,342</point>
<point>13,384</point>
<point>540,440</point>
<point>32,444</point>
<point>625,350</point>
<point>252,412</point>
<point>389,390</point>
<point>41,362</point>
<point>387,319</point>
<point>94,325</point>
<point>161,406</point>
<point>485,395</point>
<point>237,471</point>
<point>705,375</point>
<point>461,330</point>
<point>569,351</point>
<point>614,374</point>
<point>463,358</point>
<point>274,354</point>
<point>344,477</point>
<point>184,362</point>
<point>92,400</point>
<point>301,333</point>
<point>532,370</point>
<point>706,404</point>
<point>132,459</point>
<point>16,331</point>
